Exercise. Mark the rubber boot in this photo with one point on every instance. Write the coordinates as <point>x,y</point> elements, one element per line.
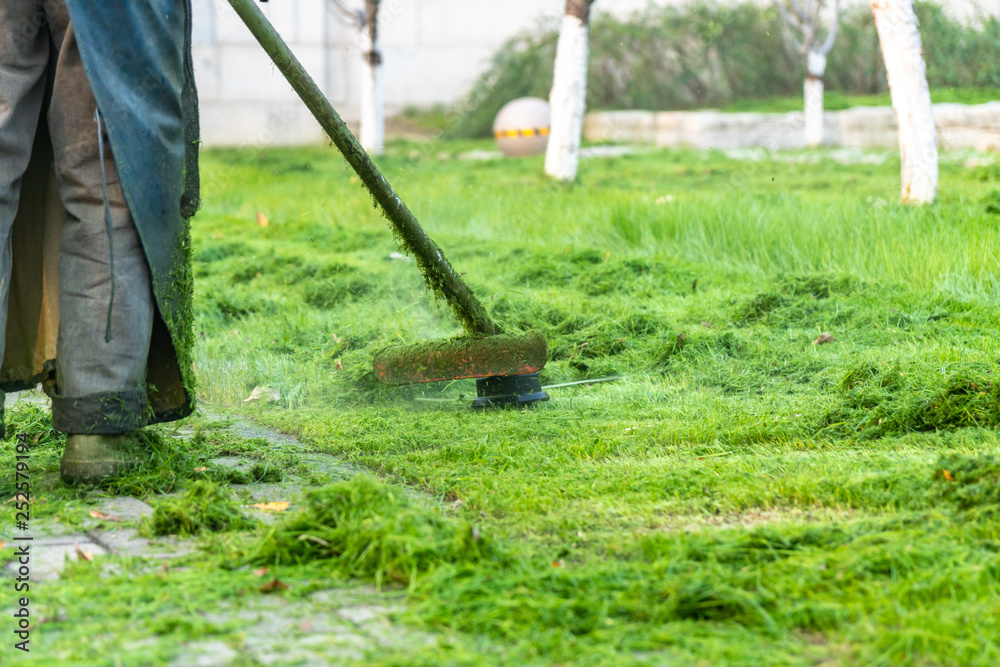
<point>91,459</point>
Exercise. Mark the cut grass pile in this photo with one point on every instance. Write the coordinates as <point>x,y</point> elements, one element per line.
<point>204,507</point>
<point>370,530</point>
<point>743,494</point>
<point>755,596</point>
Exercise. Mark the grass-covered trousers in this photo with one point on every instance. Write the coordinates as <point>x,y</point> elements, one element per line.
<point>105,301</point>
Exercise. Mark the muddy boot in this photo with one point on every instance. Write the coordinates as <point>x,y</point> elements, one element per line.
<point>93,458</point>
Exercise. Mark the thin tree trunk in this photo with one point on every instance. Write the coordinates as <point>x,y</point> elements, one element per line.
<point>802,21</point>
<point>813,88</point>
<point>372,84</point>
<point>568,98</point>
<point>896,21</point>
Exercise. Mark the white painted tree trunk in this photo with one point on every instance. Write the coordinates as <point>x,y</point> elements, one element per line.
<point>372,91</point>
<point>568,100</point>
<point>802,21</point>
<point>813,88</point>
<point>896,21</point>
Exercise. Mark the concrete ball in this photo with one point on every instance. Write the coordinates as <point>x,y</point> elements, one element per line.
<point>522,127</point>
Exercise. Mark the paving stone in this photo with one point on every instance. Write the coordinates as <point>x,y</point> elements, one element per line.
<point>271,625</point>
<point>278,633</point>
<point>362,613</point>
<point>250,430</point>
<point>271,491</point>
<point>349,595</point>
<point>48,555</point>
<point>388,635</point>
<point>46,528</point>
<point>126,508</point>
<point>304,658</point>
<point>234,462</point>
<point>128,542</point>
<point>320,625</point>
<point>296,653</point>
<point>283,632</point>
<point>331,465</point>
<point>33,396</point>
<point>318,461</point>
<point>205,654</point>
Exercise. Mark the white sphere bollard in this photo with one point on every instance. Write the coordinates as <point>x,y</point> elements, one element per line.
<point>522,127</point>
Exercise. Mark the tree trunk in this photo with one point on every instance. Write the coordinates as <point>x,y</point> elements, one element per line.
<point>372,84</point>
<point>802,22</point>
<point>815,67</point>
<point>896,22</point>
<point>568,98</point>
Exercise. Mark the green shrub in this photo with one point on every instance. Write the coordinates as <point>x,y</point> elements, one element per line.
<point>709,55</point>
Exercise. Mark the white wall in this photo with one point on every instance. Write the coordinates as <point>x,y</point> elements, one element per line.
<point>434,50</point>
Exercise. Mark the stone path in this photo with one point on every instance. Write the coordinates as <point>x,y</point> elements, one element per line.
<point>336,626</point>
<point>332,627</point>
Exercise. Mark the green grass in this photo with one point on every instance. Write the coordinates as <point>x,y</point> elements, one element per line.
<point>743,422</point>
<point>740,496</point>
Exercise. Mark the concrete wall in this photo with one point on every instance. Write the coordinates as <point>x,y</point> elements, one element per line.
<point>959,126</point>
<point>434,51</point>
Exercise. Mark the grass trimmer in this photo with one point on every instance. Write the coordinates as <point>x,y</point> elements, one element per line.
<point>506,366</point>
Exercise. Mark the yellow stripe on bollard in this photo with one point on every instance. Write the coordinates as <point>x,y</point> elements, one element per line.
<point>529,132</point>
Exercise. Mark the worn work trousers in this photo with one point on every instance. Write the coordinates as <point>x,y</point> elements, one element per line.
<point>42,80</point>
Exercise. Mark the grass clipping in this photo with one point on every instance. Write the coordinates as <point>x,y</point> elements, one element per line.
<point>205,507</point>
<point>368,529</point>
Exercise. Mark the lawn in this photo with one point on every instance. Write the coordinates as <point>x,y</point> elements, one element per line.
<point>741,493</point>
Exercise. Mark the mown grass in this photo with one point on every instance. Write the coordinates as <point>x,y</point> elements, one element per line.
<point>740,495</point>
<point>702,281</point>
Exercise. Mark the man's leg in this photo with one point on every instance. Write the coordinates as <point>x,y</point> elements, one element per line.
<point>24,55</point>
<point>106,299</point>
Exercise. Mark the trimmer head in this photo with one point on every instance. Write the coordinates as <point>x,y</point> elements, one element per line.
<point>460,358</point>
<point>509,391</point>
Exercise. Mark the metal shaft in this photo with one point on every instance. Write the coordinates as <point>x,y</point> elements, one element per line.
<point>437,271</point>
